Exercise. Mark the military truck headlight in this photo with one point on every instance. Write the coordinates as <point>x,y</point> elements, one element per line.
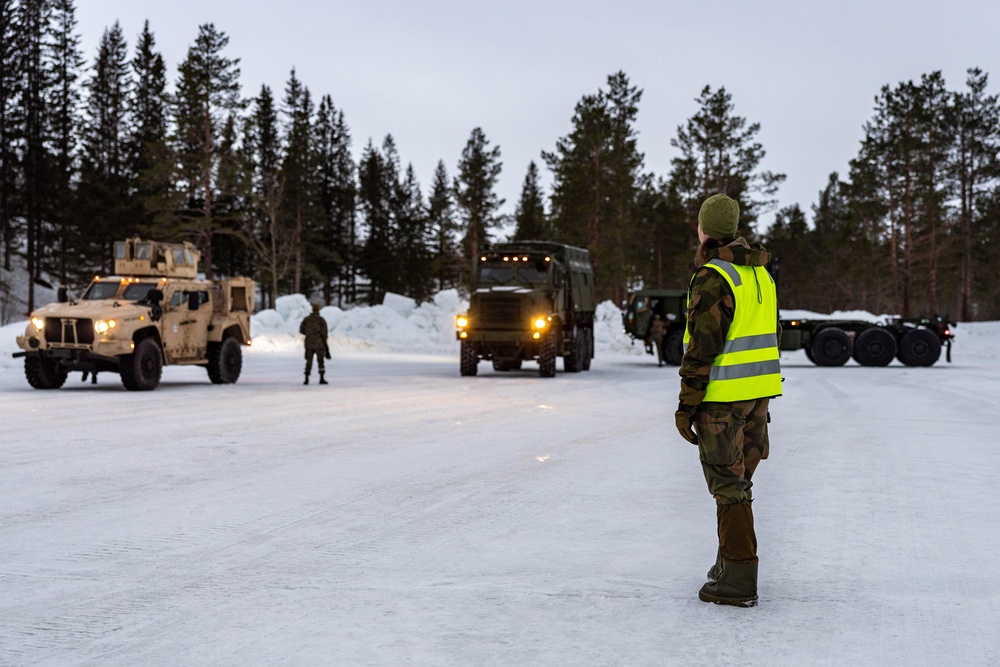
<point>104,326</point>
<point>461,321</point>
<point>539,323</point>
<point>38,323</point>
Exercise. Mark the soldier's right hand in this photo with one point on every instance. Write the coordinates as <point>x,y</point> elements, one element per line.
<point>683,419</point>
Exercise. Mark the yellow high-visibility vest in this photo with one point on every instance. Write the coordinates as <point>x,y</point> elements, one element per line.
<point>749,366</point>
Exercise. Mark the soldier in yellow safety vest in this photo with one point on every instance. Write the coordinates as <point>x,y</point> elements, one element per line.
<point>729,373</point>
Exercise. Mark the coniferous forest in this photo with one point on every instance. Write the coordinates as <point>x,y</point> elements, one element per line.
<point>97,147</point>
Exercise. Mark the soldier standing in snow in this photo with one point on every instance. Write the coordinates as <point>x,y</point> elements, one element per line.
<point>729,372</point>
<point>313,327</point>
<point>656,331</point>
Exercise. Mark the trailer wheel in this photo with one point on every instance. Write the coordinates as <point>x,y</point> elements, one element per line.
<point>919,347</point>
<point>673,348</point>
<point>874,347</point>
<point>831,347</point>
<point>469,362</point>
<point>589,347</point>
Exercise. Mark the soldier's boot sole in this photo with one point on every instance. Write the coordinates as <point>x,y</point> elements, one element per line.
<point>706,596</point>
<point>736,585</point>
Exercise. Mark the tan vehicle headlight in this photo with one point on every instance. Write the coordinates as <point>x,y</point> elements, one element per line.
<point>104,326</point>
<point>38,323</point>
<point>461,321</point>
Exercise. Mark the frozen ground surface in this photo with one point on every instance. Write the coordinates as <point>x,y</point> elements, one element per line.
<point>405,515</point>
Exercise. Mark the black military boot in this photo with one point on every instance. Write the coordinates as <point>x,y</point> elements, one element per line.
<point>733,578</point>
<point>322,380</point>
<point>736,585</point>
<point>307,379</point>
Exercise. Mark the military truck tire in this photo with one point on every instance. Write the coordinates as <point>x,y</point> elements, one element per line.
<point>469,362</point>
<point>44,373</point>
<point>874,347</point>
<point>573,362</point>
<point>225,361</point>
<point>589,347</point>
<point>547,357</point>
<point>919,347</point>
<point>831,347</point>
<point>673,348</point>
<point>142,369</point>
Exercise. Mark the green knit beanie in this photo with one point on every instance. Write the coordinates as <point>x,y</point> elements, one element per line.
<point>719,216</point>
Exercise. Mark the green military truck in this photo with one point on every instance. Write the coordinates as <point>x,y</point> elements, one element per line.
<point>671,306</point>
<point>530,300</point>
<point>152,313</point>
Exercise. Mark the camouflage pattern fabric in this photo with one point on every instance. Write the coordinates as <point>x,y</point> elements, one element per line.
<point>710,313</point>
<point>732,441</point>
<point>313,327</point>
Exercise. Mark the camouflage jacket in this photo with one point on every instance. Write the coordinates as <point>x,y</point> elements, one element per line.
<point>313,327</point>
<point>709,314</point>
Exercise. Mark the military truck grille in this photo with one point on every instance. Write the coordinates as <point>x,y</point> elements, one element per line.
<point>68,331</point>
<point>501,311</point>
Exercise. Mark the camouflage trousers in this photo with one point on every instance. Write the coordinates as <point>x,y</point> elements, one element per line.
<point>732,440</point>
<point>320,358</point>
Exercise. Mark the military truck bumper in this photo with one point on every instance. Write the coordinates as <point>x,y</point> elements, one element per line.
<point>503,345</point>
<point>104,356</point>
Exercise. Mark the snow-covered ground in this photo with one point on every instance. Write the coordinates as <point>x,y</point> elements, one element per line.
<point>405,515</point>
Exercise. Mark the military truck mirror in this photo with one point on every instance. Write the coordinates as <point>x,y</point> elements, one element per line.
<point>62,295</point>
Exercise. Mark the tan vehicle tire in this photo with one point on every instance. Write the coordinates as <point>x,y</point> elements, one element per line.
<point>142,369</point>
<point>43,373</point>
<point>225,361</point>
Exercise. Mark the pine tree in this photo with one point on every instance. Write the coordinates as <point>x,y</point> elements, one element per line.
<point>444,229</point>
<point>975,171</point>
<point>151,160</point>
<point>11,54</point>
<point>378,183</point>
<point>596,175</point>
<point>106,209</point>
<point>299,171</point>
<point>208,91</point>
<point>412,243</point>
<point>263,229</point>
<point>34,21</point>
<point>529,216</point>
<point>477,203</point>
<point>719,152</point>
<point>331,249</point>
<point>65,126</point>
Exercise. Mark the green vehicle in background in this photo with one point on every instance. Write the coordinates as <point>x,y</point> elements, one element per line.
<point>671,306</point>
<point>529,301</point>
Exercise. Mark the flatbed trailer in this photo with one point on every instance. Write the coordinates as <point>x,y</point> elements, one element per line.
<point>831,342</point>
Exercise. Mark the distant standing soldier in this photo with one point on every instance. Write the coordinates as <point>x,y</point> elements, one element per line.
<point>729,373</point>
<point>656,331</point>
<point>313,327</point>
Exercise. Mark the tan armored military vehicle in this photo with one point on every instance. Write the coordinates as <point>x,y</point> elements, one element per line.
<point>153,312</point>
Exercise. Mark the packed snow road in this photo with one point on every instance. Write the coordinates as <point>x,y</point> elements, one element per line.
<point>406,515</point>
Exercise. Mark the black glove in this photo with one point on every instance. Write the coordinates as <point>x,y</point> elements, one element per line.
<point>683,419</point>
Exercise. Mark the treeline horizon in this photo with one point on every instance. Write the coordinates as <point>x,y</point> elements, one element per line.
<point>267,186</point>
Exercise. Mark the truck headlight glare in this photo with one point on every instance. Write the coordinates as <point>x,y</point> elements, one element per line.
<point>38,323</point>
<point>104,326</point>
<point>540,323</point>
<point>461,321</point>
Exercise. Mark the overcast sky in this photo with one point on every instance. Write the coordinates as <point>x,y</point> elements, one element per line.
<point>429,72</point>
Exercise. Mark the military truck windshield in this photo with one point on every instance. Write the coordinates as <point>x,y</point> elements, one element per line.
<point>138,291</point>
<point>507,273</point>
<point>101,290</point>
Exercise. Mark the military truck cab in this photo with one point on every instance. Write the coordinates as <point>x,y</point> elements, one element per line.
<point>153,312</point>
<point>529,301</point>
<point>671,306</point>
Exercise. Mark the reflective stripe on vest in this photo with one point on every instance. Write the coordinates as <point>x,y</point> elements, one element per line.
<point>749,366</point>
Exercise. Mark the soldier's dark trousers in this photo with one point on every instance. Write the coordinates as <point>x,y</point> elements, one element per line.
<point>319,361</point>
